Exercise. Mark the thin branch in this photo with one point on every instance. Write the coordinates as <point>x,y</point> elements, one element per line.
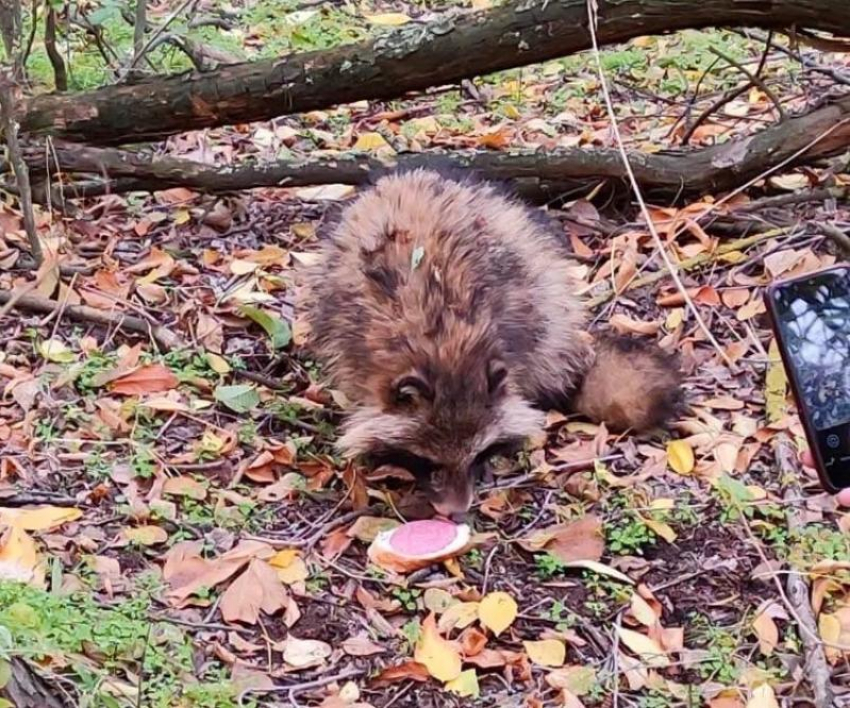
<point>25,54</point>
<point>659,243</point>
<point>159,30</point>
<point>139,28</point>
<point>817,670</point>
<point>755,79</point>
<point>163,336</point>
<point>727,97</point>
<point>22,175</point>
<point>60,74</point>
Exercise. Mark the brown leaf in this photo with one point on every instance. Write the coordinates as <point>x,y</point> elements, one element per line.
<point>152,378</point>
<point>472,641</point>
<point>241,601</point>
<point>258,588</point>
<point>196,573</point>
<point>185,487</point>
<point>577,540</point>
<point>408,671</point>
<point>361,645</point>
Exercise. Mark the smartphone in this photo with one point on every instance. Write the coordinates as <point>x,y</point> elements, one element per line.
<point>811,319</point>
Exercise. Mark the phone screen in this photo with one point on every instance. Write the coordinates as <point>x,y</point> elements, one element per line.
<point>814,319</point>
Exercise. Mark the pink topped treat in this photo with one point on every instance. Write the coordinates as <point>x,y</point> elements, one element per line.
<point>418,544</point>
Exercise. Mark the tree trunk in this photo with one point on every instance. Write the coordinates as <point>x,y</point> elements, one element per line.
<point>411,58</point>
<point>539,175</point>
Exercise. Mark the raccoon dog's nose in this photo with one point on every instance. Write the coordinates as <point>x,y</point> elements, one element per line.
<point>453,512</point>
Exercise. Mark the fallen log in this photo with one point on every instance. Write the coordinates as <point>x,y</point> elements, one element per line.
<point>538,175</point>
<point>411,58</point>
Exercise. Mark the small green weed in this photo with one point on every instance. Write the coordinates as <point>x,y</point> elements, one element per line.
<point>119,643</point>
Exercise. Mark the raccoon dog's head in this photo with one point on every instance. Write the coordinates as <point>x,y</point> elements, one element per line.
<point>442,423</point>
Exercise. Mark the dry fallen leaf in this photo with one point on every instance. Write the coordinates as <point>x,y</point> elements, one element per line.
<point>145,535</point>
<point>152,378</point>
<point>465,685</point>
<point>258,588</point>
<point>680,456</point>
<point>763,697</point>
<point>440,657</point>
<point>361,645</point>
<point>19,558</point>
<point>42,518</point>
<point>459,615</point>
<point>649,650</point>
<point>290,566</point>
<point>577,540</point>
<point>304,653</point>
<point>546,652</point>
<point>497,611</point>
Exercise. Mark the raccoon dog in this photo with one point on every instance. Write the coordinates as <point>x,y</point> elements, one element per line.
<point>445,312</point>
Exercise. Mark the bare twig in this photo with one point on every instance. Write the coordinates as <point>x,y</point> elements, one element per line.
<point>159,30</point>
<point>659,244</point>
<point>293,690</point>
<point>139,28</point>
<point>25,53</point>
<point>837,236</point>
<point>817,670</point>
<point>755,79</point>
<point>164,337</point>
<point>727,97</point>
<point>22,175</point>
<point>60,74</point>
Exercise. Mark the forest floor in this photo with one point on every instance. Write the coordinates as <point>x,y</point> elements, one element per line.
<point>178,532</point>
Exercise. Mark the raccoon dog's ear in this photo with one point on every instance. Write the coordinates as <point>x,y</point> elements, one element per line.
<point>497,374</point>
<point>410,389</point>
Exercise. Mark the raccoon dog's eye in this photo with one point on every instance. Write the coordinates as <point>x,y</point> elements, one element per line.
<point>409,389</point>
<point>418,466</point>
<point>497,372</point>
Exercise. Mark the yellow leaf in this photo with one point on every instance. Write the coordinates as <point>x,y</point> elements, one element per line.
<point>440,657</point>
<point>497,611</point>
<point>43,518</point>
<point>775,385</point>
<point>648,650</point>
<point>389,19</point>
<point>546,652</point>
<point>465,685</point>
<point>829,627</point>
<point>289,565</point>
<point>763,697</point>
<point>511,111</point>
<point>284,558</point>
<point>459,615</point>
<point>182,216</point>
<point>371,142</point>
<point>660,529</point>
<point>767,633</point>
<point>145,535</point>
<point>674,318</point>
<point>218,364</point>
<point>19,559</point>
<point>241,266</point>
<point>680,457</point>
<point>643,611</point>
<point>55,351</point>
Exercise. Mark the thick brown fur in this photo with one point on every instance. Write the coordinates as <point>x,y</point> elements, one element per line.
<point>445,311</point>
